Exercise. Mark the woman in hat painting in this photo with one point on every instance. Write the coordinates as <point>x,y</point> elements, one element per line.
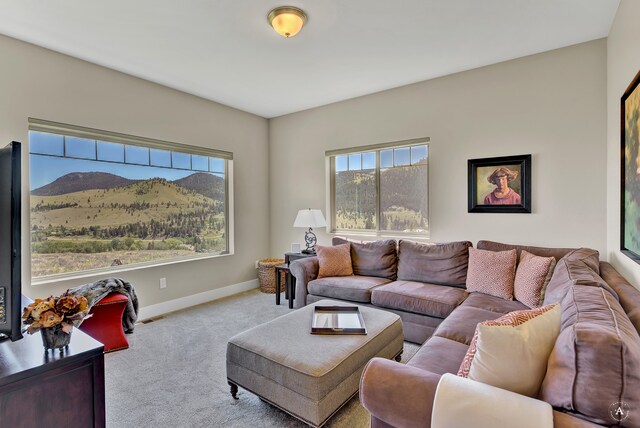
<point>502,194</point>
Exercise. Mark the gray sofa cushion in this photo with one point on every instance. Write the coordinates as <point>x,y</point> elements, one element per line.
<point>589,256</point>
<point>444,264</point>
<point>418,297</point>
<point>461,324</point>
<point>628,295</point>
<point>352,288</point>
<point>492,303</point>
<point>378,258</point>
<point>596,359</point>
<point>439,355</point>
<point>572,272</point>
<point>557,253</point>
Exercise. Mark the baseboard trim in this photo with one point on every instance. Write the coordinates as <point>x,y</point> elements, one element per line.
<point>158,309</point>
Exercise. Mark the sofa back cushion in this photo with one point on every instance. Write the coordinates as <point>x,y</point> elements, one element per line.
<point>378,258</point>
<point>444,264</point>
<point>596,359</point>
<point>556,253</point>
<point>588,256</point>
<point>628,295</point>
<point>492,272</point>
<point>568,273</point>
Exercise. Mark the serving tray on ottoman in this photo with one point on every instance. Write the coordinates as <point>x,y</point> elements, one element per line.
<point>309,376</point>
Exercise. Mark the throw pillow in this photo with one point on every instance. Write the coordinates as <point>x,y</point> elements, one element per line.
<point>512,351</point>
<point>547,280</point>
<point>492,272</point>
<point>532,276</point>
<point>334,261</point>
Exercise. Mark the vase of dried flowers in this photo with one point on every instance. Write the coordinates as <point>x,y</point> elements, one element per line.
<point>55,337</point>
<point>55,317</point>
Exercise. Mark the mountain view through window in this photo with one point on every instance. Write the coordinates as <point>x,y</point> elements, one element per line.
<point>381,190</point>
<point>96,204</point>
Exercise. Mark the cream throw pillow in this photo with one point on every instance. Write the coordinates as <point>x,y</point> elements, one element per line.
<point>512,351</point>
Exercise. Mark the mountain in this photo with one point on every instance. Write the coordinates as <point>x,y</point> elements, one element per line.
<point>208,185</point>
<point>80,181</point>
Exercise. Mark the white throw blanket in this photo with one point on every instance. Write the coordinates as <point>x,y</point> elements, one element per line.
<point>463,403</point>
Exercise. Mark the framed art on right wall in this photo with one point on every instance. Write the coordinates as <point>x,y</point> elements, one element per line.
<point>630,171</point>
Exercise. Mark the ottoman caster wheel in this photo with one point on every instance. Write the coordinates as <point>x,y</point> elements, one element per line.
<point>234,390</point>
<point>398,357</point>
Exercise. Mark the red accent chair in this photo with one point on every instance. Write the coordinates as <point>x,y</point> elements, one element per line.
<point>106,323</point>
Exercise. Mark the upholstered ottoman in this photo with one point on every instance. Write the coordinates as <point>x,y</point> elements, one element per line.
<point>309,376</point>
<point>105,324</point>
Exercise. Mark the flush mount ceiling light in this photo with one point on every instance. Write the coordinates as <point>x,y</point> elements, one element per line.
<point>287,20</point>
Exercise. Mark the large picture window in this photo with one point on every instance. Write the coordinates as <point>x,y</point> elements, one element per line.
<point>380,189</point>
<point>100,200</point>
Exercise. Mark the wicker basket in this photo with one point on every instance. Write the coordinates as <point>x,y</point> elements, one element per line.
<point>267,275</point>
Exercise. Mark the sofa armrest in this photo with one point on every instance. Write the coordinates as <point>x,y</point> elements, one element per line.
<point>399,395</point>
<point>304,270</point>
<point>565,420</point>
<point>462,402</point>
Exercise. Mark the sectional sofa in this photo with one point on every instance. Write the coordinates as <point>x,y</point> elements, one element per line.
<point>594,364</point>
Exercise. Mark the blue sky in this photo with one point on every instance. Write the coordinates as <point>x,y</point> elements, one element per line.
<point>45,169</point>
<point>388,158</point>
<point>47,163</point>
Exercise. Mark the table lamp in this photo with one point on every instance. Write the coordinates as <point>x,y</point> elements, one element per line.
<point>309,218</point>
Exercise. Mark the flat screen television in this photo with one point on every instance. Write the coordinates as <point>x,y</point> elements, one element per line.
<point>10,243</point>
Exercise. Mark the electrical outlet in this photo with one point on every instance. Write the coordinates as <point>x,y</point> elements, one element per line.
<point>163,282</point>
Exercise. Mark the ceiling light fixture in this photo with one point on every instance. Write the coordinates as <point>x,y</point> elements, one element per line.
<point>287,20</point>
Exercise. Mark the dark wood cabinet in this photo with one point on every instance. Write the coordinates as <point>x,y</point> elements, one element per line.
<point>52,389</point>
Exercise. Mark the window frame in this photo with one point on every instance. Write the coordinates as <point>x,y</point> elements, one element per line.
<point>330,167</point>
<point>67,130</point>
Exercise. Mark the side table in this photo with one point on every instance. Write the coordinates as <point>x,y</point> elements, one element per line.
<point>279,269</point>
<point>289,257</point>
<point>290,290</point>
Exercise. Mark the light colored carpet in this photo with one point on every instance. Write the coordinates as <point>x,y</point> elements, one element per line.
<point>173,374</point>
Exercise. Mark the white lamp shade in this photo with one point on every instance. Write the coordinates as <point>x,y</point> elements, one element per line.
<point>309,218</point>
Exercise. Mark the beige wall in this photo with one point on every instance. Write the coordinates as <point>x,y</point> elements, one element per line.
<point>623,62</point>
<point>36,82</point>
<point>551,105</point>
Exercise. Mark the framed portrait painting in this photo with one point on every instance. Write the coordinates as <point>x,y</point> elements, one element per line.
<point>500,185</point>
<point>630,169</point>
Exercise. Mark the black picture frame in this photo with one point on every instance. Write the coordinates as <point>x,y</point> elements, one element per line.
<point>479,172</point>
<point>629,171</point>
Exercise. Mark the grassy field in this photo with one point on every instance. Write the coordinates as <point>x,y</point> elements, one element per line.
<point>51,264</point>
<point>396,219</point>
<point>150,220</point>
<point>140,202</point>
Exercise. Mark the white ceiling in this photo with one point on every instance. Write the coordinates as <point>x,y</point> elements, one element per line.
<point>225,51</point>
